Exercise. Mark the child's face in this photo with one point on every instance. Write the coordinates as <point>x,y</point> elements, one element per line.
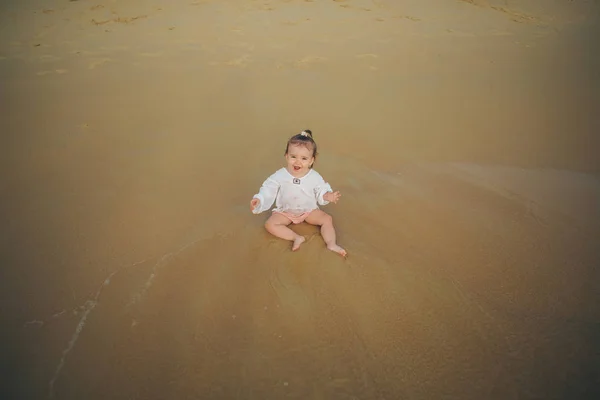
<point>299,159</point>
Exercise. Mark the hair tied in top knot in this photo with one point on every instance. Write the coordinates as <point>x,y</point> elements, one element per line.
<point>306,133</point>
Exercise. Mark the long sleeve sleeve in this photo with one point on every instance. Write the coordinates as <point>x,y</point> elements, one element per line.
<point>321,188</point>
<point>266,195</point>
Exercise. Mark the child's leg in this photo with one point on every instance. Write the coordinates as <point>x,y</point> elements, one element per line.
<point>277,225</point>
<point>319,217</point>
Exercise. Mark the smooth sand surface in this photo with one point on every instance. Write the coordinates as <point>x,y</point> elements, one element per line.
<point>462,134</point>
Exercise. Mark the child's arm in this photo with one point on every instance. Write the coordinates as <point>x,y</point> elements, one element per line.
<point>265,198</point>
<point>325,193</point>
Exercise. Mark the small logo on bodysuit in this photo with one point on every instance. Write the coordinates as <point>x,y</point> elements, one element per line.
<point>296,181</point>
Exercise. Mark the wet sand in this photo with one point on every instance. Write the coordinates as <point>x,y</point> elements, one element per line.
<point>461,134</point>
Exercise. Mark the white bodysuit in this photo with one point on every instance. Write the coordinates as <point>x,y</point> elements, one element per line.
<point>292,195</point>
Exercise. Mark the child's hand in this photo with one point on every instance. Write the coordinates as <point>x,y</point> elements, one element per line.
<point>254,203</point>
<point>332,197</point>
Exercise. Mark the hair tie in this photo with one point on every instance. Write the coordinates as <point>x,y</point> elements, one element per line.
<point>303,133</point>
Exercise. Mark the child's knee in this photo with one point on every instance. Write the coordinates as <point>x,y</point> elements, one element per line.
<point>327,219</point>
<point>268,224</point>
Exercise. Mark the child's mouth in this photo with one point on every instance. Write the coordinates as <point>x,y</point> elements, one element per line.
<point>296,168</point>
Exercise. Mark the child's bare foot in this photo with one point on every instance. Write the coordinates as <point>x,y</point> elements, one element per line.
<point>337,249</point>
<point>297,242</point>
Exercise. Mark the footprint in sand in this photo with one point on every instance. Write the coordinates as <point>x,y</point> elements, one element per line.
<point>56,71</point>
<point>238,31</point>
<point>368,56</point>
<point>48,58</point>
<point>240,62</point>
<point>408,17</point>
<point>98,62</point>
<point>304,63</point>
<point>523,44</point>
<point>515,16</point>
<point>265,6</point>
<point>98,23</point>
<point>120,20</point>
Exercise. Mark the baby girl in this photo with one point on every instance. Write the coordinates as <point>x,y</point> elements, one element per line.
<point>297,191</point>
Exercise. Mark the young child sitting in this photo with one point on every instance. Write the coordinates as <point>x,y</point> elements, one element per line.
<point>297,191</point>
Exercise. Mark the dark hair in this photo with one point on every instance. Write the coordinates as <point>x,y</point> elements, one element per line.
<point>304,138</point>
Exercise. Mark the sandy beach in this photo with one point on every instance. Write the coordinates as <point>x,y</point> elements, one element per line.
<point>462,135</point>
